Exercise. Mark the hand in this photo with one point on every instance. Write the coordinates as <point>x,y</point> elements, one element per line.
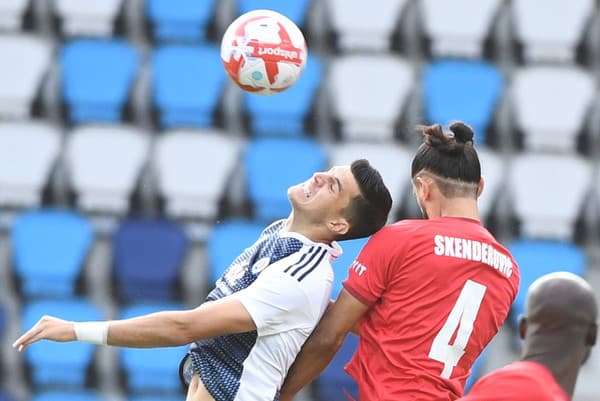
<point>47,328</point>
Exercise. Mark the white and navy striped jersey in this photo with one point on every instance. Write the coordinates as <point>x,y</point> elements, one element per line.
<point>284,281</point>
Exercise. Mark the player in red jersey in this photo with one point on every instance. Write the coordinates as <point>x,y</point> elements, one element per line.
<point>428,295</point>
<point>559,332</point>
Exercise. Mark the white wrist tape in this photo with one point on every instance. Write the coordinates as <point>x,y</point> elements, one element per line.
<point>92,332</point>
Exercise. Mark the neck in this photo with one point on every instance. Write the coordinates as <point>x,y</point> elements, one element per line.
<point>455,207</point>
<point>559,358</point>
<point>310,231</point>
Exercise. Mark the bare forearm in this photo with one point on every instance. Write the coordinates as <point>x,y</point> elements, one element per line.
<point>162,329</point>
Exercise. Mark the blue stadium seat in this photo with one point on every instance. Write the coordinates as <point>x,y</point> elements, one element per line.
<point>188,81</point>
<point>151,371</point>
<point>227,241</point>
<point>334,382</point>
<point>97,77</point>
<point>54,364</point>
<point>181,20</point>
<point>272,166</point>
<point>341,265</point>
<point>3,321</point>
<point>285,114</point>
<point>476,370</point>
<point>49,247</point>
<point>6,396</point>
<point>148,256</point>
<point>293,9</point>
<point>67,395</point>
<point>156,398</point>
<point>462,90</point>
<point>539,257</point>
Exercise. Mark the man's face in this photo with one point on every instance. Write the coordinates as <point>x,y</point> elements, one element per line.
<point>325,195</point>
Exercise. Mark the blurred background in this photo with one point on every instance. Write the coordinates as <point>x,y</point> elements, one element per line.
<point>132,171</point>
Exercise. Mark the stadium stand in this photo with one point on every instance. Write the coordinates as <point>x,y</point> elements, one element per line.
<point>295,10</point>
<point>25,169</point>
<point>459,28</point>
<point>267,187</point>
<point>182,96</point>
<point>55,365</point>
<point>334,383</point>
<point>150,371</point>
<point>286,114</point>
<point>192,185</point>
<point>359,28</point>
<point>101,186</point>
<point>181,21</point>
<point>25,61</point>
<point>462,90</point>
<point>549,122</point>
<point>6,396</point>
<point>87,18</point>
<point>148,257</point>
<point>97,77</point>
<point>493,172</point>
<point>369,109</point>
<point>12,13</point>
<point>49,248</point>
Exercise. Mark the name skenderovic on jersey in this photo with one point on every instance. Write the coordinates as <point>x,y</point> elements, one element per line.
<point>284,281</point>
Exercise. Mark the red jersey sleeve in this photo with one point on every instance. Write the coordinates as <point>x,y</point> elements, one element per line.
<point>368,274</point>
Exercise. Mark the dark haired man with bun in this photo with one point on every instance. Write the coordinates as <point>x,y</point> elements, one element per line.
<point>427,295</point>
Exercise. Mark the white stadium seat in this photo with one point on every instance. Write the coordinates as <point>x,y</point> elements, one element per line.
<point>364,28</point>
<point>105,163</point>
<point>392,161</point>
<point>551,105</point>
<point>193,168</point>
<point>28,151</point>
<point>25,60</point>
<point>458,27</point>
<point>548,192</point>
<point>493,172</point>
<point>87,18</point>
<point>550,31</point>
<point>368,94</point>
<point>11,14</point>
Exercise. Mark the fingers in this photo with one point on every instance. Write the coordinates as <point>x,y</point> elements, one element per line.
<point>31,336</point>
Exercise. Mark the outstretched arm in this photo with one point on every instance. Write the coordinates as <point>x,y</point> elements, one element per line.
<point>162,329</point>
<point>327,338</point>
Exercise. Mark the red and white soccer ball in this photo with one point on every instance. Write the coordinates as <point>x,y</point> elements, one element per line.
<point>263,52</point>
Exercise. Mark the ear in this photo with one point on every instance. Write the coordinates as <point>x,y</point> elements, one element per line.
<point>481,186</point>
<point>522,327</point>
<point>423,188</point>
<point>590,339</point>
<point>339,226</point>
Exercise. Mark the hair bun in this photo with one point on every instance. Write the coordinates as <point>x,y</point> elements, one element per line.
<point>462,132</point>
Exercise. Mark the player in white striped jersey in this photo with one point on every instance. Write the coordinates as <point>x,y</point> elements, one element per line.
<point>251,327</point>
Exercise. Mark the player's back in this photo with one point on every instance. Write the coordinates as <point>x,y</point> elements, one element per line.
<point>440,289</point>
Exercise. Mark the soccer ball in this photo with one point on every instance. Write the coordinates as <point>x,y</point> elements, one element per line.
<point>263,52</point>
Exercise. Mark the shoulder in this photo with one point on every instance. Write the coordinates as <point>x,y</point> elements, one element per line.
<point>520,378</point>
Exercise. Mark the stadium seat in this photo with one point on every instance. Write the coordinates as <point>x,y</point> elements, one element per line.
<point>151,371</point>
<point>28,151</point>
<point>295,10</point>
<point>551,33</point>
<point>227,241</point>
<point>155,398</point>
<point>7,396</point>
<point>12,13</point>
<point>386,158</point>
<point>286,113</point>
<point>369,107</point>
<point>49,247</point>
<point>104,164</point>
<point>188,82</point>
<point>538,184</point>
<point>351,249</point>
<point>68,395</point>
<point>537,258</point>
<point>3,321</point>
<point>148,255</point>
<point>462,90</point>
<point>55,364</point>
<point>334,382</point>
<point>25,60</point>
<point>360,28</point>
<point>551,105</point>
<point>493,171</point>
<point>458,28</point>
<point>272,166</point>
<point>87,18</point>
<point>193,169</point>
<point>181,21</point>
<point>477,370</point>
<point>97,77</point>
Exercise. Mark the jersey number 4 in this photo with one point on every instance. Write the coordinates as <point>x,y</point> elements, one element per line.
<point>462,317</point>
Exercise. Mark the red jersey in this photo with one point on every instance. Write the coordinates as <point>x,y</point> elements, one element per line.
<point>518,381</point>
<point>439,290</point>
